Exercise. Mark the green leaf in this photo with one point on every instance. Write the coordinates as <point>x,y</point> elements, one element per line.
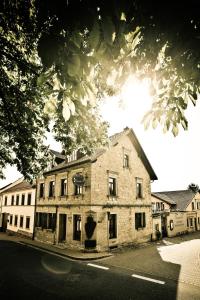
<point>175,130</point>
<point>66,110</point>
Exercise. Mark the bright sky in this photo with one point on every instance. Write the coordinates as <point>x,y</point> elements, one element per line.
<point>176,161</point>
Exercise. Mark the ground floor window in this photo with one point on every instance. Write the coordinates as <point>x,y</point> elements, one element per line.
<point>112,226</point>
<point>198,220</point>
<point>21,221</point>
<point>191,222</point>
<point>46,220</point>
<point>140,220</point>
<point>11,219</point>
<point>77,227</point>
<point>28,222</point>
<point>16,220</point>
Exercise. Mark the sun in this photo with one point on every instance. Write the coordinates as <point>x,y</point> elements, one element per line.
<point>129,106</point>
<point>135,96</point>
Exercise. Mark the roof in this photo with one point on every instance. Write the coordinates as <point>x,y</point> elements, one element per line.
<point>113,140</point>
<point>14,183</point>
<point>24,185</point>
<point>180,198</point>
<point>57,154</point>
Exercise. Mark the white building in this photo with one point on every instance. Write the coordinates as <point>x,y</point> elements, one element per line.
<point>18,208</point>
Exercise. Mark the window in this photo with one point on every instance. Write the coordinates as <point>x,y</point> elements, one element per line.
<point>11,219</point>
<point>12,200</point>
<point>29,199</point>
<point>171,224</point>
<point>191,222</point>
<point>51,189</point>
<point>198,220</point>
<point>192,205</point>
<point>187,222</point>
<point>5,200</point>
<point>23,199</point>
<point>77,227</point>
<point>140,221</point>
<point>52,221</point>
<point>126,161</point>
<point>16,220</point>
<point>138,188</point>
<point>42,190</point>
<point>78,189</point>
<point>63,187</point>
<point>27,222</point>
<point>46,221</point>
<point>112,226</point>
<point>17,200</point>
<point>112,186</point>
<point>21,221</point>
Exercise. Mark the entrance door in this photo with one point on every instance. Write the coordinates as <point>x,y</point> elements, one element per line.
<point>62,227</point>
<point>4,221</point>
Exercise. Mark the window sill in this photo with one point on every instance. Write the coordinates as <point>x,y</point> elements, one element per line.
<point>140,228</point>
<point>113,196</point>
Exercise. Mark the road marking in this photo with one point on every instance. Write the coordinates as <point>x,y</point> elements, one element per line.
<point>97,266</point>
<point>148,279</point>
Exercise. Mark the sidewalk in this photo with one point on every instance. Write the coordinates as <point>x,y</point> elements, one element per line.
<point>70,253</point>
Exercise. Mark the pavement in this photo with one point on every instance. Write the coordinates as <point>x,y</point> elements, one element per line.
<point>56,249</point>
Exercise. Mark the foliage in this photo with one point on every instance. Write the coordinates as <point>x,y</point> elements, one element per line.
<point>60,58</point>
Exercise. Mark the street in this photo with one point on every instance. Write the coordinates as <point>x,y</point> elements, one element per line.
<point>35,274</point>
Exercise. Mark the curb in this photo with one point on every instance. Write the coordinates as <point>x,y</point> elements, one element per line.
<point>63,254</point>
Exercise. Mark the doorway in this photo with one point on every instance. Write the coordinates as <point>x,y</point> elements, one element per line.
<point>4,221</point>
<point>62,227</point>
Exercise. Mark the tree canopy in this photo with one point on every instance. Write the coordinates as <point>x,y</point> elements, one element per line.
<point>59,59</point>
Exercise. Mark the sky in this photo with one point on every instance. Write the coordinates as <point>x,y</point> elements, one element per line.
<point>175,160</point>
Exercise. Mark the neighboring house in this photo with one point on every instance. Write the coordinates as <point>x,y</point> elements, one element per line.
<point>18,207</point>
<point>98,201</point>
<point>176,212</point>
<point>17,200</point>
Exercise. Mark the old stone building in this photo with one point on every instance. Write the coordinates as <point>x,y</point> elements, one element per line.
<point>99,201</point>
<point>175,212</point>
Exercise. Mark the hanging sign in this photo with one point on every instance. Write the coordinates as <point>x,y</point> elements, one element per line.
<point>78,179</point>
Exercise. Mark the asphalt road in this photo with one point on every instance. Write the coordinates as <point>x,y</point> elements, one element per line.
<point>28,273</point>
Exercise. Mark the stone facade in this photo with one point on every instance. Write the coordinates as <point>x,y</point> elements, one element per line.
<point>112,208</point>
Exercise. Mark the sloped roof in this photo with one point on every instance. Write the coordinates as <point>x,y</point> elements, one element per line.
<point>14,183</point>
<point>180,198</point>
<point>113,140</point>
<point>24,185</point>
<point>57,154</point>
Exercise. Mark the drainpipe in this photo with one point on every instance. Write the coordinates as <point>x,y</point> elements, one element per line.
<point>108,215</point>
<point>55,234</point>
<point>34,214</point>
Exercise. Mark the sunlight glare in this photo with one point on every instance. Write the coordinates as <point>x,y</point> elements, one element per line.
<point>135,96</point>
